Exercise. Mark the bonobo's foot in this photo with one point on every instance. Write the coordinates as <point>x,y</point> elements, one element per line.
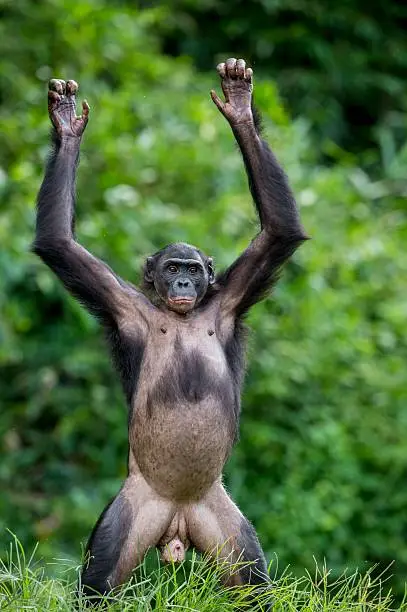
<point>62,109</point>
<point>236,81</point>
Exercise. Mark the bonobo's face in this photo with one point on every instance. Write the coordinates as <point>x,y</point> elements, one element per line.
<point>181,275</point>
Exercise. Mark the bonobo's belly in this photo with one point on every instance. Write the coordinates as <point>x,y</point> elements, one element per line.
<point>181,449</point>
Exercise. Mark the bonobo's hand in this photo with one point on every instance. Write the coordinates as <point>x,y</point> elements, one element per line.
<point>237,86</point>
<point>62,109</point>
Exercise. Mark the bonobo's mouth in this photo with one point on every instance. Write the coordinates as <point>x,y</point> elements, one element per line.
<point>181,304</point>
<point>181,300</point>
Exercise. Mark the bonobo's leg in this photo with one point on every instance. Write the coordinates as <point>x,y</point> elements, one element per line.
<point>131,524</point>
<point>218,528</point>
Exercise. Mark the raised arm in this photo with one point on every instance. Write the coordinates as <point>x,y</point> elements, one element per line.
<point>253,273</point>
<point>85,276</point>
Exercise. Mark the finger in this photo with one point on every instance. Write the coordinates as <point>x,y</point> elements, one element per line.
<point>53,101</point>
<point>57,85</point>
<point>249,75</point>
<point>53,97</point>
<point>240,66</point>
<point>218,101</point>
<point>71,88</point>
<point>85,110</point>
<point>221,68</point>
<point>231,67</point>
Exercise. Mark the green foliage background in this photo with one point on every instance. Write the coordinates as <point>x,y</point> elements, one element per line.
<point>321,465</point>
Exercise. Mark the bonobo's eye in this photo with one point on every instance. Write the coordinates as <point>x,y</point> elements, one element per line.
<point>172,268</point>
<point>192,269</point>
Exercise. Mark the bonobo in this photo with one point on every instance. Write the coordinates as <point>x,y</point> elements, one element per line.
<point>178,345</point>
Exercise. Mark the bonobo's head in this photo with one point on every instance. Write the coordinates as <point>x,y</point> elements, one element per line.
<point>179,274</point>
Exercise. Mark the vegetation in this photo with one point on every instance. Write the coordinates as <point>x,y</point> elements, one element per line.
<point>193,585</point>
<point>341,64</point>
<point>321,465</point>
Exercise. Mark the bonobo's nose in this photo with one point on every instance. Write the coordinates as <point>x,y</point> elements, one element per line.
<point>183,283</point>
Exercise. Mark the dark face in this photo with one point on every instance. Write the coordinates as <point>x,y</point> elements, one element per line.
<point>181,275</point>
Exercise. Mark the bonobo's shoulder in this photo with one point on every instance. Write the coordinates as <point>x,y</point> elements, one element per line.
<point>138,298</point>
<point>138,311</point>
<point>224,321</point>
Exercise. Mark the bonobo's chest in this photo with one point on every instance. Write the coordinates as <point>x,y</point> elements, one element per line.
<point>184,362</point>
<point>189,347</point>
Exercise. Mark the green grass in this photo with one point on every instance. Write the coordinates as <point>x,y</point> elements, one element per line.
<point>25,584</point>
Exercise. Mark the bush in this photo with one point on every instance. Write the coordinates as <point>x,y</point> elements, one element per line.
<point>320,467</point>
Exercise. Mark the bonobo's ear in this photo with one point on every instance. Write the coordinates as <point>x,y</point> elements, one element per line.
<point>149,269</point>
<point>211,270</point>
